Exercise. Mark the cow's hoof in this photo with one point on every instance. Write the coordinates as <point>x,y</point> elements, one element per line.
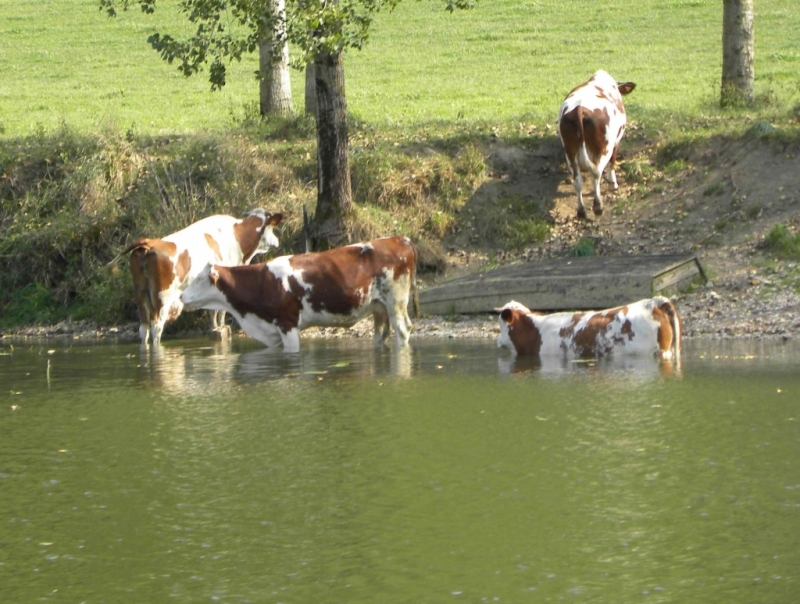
<point>221,333</point>
<point>598,211</point>
<point>582,214</point>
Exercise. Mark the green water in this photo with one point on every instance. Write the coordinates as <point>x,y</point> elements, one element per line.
<point>444,473</point>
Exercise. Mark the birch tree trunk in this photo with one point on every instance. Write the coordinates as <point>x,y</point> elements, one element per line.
<point>275,91</point>
<point>738,53</point>
<point>334,192</point>
<point>311,90</point>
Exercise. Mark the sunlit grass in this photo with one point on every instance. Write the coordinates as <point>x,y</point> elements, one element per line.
<point>505,60</point>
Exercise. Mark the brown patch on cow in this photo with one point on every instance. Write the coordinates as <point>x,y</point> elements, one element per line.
<point>524,335</point>
<point>249,231</point>
<point>162,247</point>
<point>583,127</point>
<point>664,334</point>
<point>184,265</point>
<point>665,315</point>
<point>584,341</point>
<point>253,289</point>
<point>212,243</point>
<point>160,273</point>
<point>356,266</point>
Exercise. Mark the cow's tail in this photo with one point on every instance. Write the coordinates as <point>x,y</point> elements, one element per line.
<point>414,290</point>
<point>583,155</point>
<point>666,305</point>
<point>143,243</point>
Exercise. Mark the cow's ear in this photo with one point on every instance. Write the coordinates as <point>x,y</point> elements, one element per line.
<point>274,219</point>
<point>213,275</point>
<point>505,315</point>
<point>626,87</point>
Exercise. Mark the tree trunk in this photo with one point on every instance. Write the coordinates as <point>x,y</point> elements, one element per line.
<point>738,53</point>
<point>275,84</point>
<point>334,193</point>
<point>311,90</point>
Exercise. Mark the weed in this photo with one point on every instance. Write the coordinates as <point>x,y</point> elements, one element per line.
<point>638,171</point>
<point>584,247</point>
<point>783,242</point>
<point>715,189</point>
<point>676,166</point>
<point>754,211</point>
<point>721,224</point>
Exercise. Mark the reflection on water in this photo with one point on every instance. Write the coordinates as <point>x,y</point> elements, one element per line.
<point>444,471</point>
<point>643,366</point>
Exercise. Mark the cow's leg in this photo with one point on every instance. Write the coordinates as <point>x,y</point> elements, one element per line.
<point>612,174</point>
<point>577,183</point>
<point>380,319</point>
<point>291,340</point>
<point>171,308</point>
<point>398,321</point>
<point>141,292</point>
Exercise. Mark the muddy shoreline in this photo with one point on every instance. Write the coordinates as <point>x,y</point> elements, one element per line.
<point>712,312</point>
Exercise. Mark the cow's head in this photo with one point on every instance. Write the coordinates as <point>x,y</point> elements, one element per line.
<point>203,291</point>
<point>518,332</point>
<point>268,237</point>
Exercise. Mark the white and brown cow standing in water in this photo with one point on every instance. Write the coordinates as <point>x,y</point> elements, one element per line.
<point>163,268</point>
<point>646,327</point>
<point>591,124</point>
<point>274,301</point>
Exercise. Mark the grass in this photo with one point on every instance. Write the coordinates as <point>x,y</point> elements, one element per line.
<point>783,242</point>
<point>504,61</point>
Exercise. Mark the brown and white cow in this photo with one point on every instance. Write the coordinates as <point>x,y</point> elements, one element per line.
<point>274,301</point>
<point>162,268</point>
<point>591,124</point>
<point>646,327</point>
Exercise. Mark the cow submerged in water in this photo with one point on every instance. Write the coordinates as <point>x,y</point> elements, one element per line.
<point>274,301</point>
<point>162,268</point>
<point>591,124</point>
<point>646,327</point>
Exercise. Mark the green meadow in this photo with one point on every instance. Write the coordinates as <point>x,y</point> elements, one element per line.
<point>102,142</point>
<point>66,62</point>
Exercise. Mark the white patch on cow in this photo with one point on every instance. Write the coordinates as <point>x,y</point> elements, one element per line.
<point>268,240</point>
<point>201,293</point>
<point>281,269</point>
<point>259,329</point>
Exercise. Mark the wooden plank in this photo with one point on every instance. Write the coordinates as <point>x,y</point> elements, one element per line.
<point>575,283</point>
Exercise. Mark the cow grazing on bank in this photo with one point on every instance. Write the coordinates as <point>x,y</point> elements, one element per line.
<point>646,327</point>
<point>273,302</point>
<point>162,268</point>
<point>591,124</point>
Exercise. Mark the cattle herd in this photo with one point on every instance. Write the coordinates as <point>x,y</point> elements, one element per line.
<point>207,266</point>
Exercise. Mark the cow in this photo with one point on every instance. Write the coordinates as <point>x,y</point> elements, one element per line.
<point>591,124</point>
<point>162,268</point>
<point>274,301</point>
<point>646,327</point>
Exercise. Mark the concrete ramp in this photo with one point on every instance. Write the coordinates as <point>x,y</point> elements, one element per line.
<point>565,284</point>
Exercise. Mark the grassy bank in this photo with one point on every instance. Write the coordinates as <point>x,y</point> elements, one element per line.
<point>72,201</point>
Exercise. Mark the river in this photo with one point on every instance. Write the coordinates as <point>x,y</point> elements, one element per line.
<point>444,472</point>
